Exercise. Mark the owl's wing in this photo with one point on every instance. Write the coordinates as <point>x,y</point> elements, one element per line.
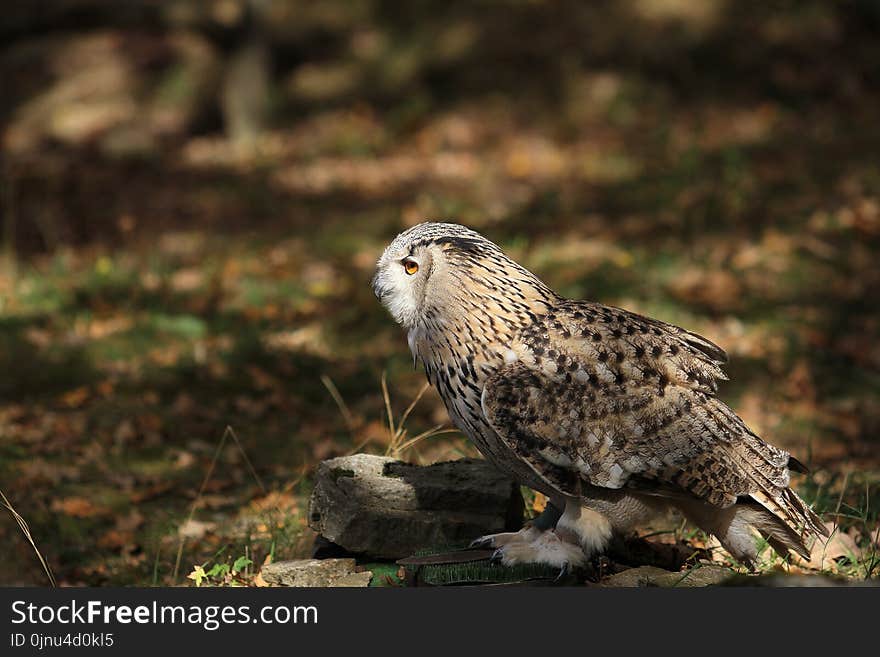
<point>572,432</point>
<point>609,398</point>
<point>606,398</point>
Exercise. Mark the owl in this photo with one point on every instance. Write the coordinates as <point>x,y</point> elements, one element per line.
<point>610,414</point>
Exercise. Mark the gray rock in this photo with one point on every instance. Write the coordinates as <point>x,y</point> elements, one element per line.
<point>651,576</point>
<point>377,506</point>
<point>315,572</point>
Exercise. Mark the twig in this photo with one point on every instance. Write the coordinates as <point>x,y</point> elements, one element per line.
<point>195,503</point>
<point>247,460</point>
<point>387,399</point>
<point>347,417</point>
<point>22,523</point>
<point>412,405</point>
<point>229,431</point>
<point>430,433</point>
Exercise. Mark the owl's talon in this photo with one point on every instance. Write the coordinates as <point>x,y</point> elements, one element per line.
<point>563,571</point>
<point>497,557</point>
<point>482,542</point>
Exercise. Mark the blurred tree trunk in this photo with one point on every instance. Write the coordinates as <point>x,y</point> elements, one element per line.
<point>8,217</point>
<point>247,81</point>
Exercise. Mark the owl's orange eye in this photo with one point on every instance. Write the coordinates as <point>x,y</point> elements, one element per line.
<point>410,266</point>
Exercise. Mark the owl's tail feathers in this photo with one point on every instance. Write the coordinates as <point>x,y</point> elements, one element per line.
<point>784,521</point>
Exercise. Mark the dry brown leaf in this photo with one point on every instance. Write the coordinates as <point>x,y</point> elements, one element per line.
<point>38,337</point>
<point>184,404</point>
<point>187,280</point>
<point>307,339</point>
<point>101,328</point>
<point>824,554</point>
<point>116,539</point>
<point>76,397</point>
<point>215,501</point>
<point>195,529</point>
<point>325,449</point>
<point>262,380</point>
<point>217,485</point>
<point>184,460</point>
<point>373,431</point>
<point>275,501</point>
<point>131,521</point>
<point>716,289</point>
<point>150,492</point>
<point>78,507</point>
<point>125,432</point>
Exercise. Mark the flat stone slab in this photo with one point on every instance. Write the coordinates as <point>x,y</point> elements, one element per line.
<point>386,509</point>
<point>315,572</point>
<point>651,576</point>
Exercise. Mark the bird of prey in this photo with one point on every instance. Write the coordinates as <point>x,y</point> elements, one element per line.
<point>611,414</point>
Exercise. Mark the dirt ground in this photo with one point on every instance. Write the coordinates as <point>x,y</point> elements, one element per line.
<point>193,204</point>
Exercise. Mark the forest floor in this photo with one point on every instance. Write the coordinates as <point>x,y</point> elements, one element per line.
<point>185,333</point>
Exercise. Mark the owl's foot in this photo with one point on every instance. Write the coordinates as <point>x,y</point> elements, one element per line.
<point>531,545</point>
<point>545,520</point>
<point>525,535</point>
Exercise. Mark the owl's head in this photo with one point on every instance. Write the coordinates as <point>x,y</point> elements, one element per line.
<point>417,271</point>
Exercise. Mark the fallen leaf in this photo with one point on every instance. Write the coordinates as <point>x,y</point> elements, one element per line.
<point>195,529</point>
<point>261,379</point>
<point>76,397</point>
<point>198,575</point>
<point>187,280</point>
<point>125,432</point>
<point>78,507</point>
<point>150,492</point>
<point>115,539</point>
<point>717,289</point>
<point>184,460</point>
<point>131,521</point>
<point>215,501</point>
<point>216,485</point>
<point>824,554</point>
<point>183,404</point>
<point>102,328</point>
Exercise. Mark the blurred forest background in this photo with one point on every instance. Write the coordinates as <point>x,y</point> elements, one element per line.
<point>194,194</point>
